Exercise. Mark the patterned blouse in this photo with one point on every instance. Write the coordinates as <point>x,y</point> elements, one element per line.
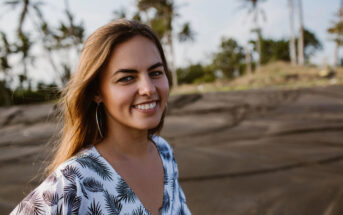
<point>87,184</point>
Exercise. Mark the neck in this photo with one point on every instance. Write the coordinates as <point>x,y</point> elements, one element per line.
<point>124,142</point>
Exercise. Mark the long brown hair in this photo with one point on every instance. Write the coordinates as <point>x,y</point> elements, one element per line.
<point>78,107</point>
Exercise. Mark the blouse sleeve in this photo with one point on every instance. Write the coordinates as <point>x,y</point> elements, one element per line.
<point>183,208</point>
<point>56,195</point>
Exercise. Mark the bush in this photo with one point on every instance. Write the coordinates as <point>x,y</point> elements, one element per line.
<point>189,74</point>
<point>42,94</point>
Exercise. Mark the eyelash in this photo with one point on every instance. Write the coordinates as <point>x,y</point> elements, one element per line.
<point>125,79</point>
<point>153,74</point>
<point>156,72</point>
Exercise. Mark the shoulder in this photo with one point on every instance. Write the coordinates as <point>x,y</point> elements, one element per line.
<point>76,168</point>
<point>71,184</point>
<point>165,150</point>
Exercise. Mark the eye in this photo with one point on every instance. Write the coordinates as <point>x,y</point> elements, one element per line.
<point>155,73</point>
<point>126,79</point>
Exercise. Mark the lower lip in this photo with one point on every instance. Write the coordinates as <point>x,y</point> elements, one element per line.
<point>152,110</point>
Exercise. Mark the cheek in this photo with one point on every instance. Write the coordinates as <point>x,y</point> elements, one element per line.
<point>164,88</point>
<point>115,97</point>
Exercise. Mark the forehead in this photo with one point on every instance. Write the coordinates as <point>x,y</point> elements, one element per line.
<point>137,53</point>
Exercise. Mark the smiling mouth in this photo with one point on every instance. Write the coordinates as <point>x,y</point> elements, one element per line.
<point>146,106</point>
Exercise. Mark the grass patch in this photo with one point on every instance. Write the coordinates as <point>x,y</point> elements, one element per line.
<point>279,75</point>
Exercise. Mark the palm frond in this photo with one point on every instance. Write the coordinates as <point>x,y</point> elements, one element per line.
<point>166,202</point>
<point>166,179</point>
<point>32,204</point>
<point>51,198</point>
<point>173,181</point>
<point>182,210</point>
<point>12,3</point>
<point>92,162</point>
<point>52,178</point>
<point>164,151</point>
<point>186,33</point>
<point>94,209</point>
<point>84,192</point>
<point>58,210</point>
<point>124,192</point>
<point>71,172</point>
<point>93,185</point>
<point>182,195</point>
<point>69,193</point>
<point>75,207</point>
<point>113,205</point>
<point>178,210</point>
<point>138,211</point>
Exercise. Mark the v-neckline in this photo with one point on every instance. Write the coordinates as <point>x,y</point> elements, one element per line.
<point>117,173</point>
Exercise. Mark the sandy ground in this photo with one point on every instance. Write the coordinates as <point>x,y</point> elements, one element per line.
<point>253,152</point>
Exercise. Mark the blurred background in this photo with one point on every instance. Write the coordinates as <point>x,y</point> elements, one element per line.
<point>255,113</point>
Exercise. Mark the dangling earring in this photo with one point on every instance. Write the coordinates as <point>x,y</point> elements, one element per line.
<point>97,119</point>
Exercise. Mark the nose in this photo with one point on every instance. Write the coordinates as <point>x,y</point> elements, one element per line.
<point>146,86</point>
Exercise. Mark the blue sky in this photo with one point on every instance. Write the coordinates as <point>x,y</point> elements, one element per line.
<point>210,19</point>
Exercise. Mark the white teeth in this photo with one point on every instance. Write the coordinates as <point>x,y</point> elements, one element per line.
<point>146,106</point>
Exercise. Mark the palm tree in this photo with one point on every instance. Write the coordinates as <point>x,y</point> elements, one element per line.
<point>293,55</point>
<point>186,33</point>
<point>24,46</point>
<point>67,38</point>
<point>253,8</point>
<point>248,59</point>
<point>5,52</point>
<point>26,6</point>
<point>337,30</point>
<point>301,34</point>
<point>163,23</point>
<point>165,12</point>
<point>119,14</point>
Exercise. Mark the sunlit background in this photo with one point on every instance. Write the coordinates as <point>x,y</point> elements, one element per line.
<point>255,115</point>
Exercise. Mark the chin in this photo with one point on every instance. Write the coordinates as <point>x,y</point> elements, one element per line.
<point>148,125</point>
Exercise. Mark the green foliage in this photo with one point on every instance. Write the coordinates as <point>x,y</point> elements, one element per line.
<point>186,33</point>
<point>188,74</point>
<point>5,93</point>
<point>43,93</point>
<point>337,31</point>
<point>274,50</point>
<point>5,51</point>
<point>311,44</point>
<point>195,73</point>
<point>229,58</point>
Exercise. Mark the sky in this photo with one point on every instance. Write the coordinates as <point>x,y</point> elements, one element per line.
<point>210,20</point>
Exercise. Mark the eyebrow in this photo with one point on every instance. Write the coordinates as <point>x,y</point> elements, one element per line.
<point>154,66</point>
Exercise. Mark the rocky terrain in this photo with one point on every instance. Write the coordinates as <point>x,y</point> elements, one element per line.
<point>246,152</point>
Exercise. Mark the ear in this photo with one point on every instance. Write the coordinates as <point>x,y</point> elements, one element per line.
<point>97,98</point>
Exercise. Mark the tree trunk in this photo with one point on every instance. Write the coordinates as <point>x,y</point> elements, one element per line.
<point>248,59</point>
<point>258,41</point>
<point>292,49</point>
<point>5,95</point>
<point>172,60</point>
<point>259,49</point>
<point>23,14</point>
<point>335,58</point>
<point>301,35</point>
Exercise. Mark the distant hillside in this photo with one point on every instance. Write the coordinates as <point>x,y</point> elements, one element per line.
<point>275,75</point>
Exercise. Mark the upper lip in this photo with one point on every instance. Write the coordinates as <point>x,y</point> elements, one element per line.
<point>146,102</point>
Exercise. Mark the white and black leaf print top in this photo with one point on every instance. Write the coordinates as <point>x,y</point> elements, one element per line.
<point>87,184</point>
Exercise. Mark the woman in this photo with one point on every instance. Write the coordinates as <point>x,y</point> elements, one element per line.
<point>110,160</point>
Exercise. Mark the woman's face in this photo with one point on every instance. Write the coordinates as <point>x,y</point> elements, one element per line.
<point>134,87</point>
